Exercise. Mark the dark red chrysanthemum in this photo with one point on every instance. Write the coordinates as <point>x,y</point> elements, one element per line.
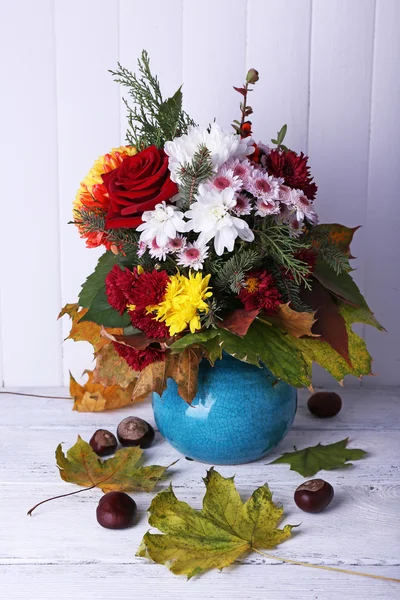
<point>149,289</point>
<point>119,286</point>
<point>147,323</point>
<point>294,170</point>
<point>260,292</point>
<point>139,359</point>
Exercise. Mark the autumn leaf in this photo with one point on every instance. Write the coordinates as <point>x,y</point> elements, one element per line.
<point>94,397</point>
<point>330,324</point>
<point>153,378</point>
<point>338,235</point>
<point>185,370</point>
<point>112,369</point>
<point>214,537</point>
<point>137,340</point>
<point>296,323</point>
<point>121,473</point>
<point>85,331</point>
<point>310,460</point>
<point>239,320</point>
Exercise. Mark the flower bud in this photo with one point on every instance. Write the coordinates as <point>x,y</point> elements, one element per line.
<point>252,76</point>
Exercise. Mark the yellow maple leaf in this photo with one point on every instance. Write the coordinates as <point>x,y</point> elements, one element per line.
<point>85,331</point>
<point>94,397</point>
<point>295,323</point>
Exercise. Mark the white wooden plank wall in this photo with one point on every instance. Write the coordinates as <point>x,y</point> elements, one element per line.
<point>329,68</point>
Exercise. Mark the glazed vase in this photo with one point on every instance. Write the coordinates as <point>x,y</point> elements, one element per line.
<point>240,413</point>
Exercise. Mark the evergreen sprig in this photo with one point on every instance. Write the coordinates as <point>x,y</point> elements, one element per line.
<point>151,120</point>
<point>230,275</point>
<point>93,221</point>
<point>275,241</point>
<point>192,174</point>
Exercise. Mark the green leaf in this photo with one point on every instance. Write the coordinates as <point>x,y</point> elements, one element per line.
<point>342,286</point>
<point>213,348</point>
<point>193,338</point>
<point>310,460</point>
<point>281,134</point>
<point>122,472</point>
<point>273,347</point>
<point>214,537</point>
<point>95,281</point>
<point>338,235</point>
<point>102,313</point>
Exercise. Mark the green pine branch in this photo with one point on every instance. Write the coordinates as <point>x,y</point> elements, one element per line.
<point>192,174</point>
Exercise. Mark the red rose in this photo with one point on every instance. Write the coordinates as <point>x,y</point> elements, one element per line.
<point>138,184</point>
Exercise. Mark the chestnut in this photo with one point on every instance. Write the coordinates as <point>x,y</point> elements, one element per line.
<point>324,404</point>
<point>134,431</point>
<point>103,442</point>
<point>314,495</point>
<point>116,510</point>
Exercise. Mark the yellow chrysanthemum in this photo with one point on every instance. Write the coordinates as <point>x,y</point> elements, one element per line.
<point>91,187</point>
<point>183,301</point>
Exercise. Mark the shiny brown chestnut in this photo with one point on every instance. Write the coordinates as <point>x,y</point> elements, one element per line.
<point>314,495</point>
<point>103,442</point>
<point>134,431</point>
<point>324,404</point>
<point>116,510</point>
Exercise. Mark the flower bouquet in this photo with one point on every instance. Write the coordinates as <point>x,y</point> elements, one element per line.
<point>213,251</point>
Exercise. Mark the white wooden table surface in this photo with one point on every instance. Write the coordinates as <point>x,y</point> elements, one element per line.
<point>61,552</point>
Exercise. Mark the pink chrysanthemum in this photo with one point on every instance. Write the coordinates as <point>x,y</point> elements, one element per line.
<point>263,186</point>
<point>304,207</point>
<point>193,256</point>
<point>176,244</point>
<point>156,251</point>
<point>243,205</point>
<point>142,249</point>
<point>266,207</point>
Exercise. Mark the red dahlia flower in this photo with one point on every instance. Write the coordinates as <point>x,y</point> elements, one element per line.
<point>139,359</point>
<point>260,292</point>
<point>149,289</point>
<point>294,170</point>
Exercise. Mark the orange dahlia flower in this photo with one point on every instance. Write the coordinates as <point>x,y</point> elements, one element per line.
<point>92,193</point>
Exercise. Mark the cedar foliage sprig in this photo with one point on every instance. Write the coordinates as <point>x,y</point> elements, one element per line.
<point>329,252</point>
<point>192,174</point>
<point>151,120</point>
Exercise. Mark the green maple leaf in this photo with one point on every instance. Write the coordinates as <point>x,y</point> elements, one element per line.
<point>122,472</point>
<point>225,528</point>
<point>310,460</point>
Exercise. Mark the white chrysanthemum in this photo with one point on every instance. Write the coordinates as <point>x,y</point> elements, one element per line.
<point>193,256</point>
<point>243,205</point>
<point>162,223</point>
<point>221,145</point>
<point>210,217</point>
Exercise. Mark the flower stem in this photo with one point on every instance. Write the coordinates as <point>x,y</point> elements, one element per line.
<point>304,564</point>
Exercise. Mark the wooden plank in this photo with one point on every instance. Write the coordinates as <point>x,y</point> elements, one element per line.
<point>340,95</point>
<point>278,45</point>
<point>29,244</point>
<point>34,462</point>
<point>245,582</point>
<point>367,409</point>
<point>382,252</point>
<point>213,59</point>
<point>88,126</point>
<point>58,526</point>
<point>157,27</point>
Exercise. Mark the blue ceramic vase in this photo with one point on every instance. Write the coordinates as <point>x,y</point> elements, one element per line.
<point>240,413</point>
